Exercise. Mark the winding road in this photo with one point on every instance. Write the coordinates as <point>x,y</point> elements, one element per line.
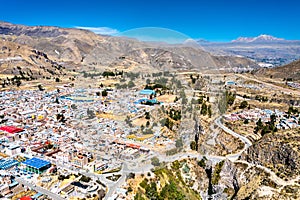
<point>273,176</point>
<point>246,141</point>
<point>282,89</point>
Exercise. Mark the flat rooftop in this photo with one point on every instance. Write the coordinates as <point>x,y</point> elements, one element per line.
<point>146,92</point>
<point>36,163</point>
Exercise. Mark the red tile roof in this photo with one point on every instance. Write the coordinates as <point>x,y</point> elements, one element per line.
<point>25,198</point>
<point>11,129</point>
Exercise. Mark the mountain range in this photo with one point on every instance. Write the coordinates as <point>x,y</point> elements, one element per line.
<point>266,50</point>
<point>263,38</point>
<point>259,39</point>
<point>76,47</point>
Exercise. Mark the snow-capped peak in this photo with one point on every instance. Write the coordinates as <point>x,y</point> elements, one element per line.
<point>260,38</point>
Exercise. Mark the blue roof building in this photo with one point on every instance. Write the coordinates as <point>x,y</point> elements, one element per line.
<point>37,195</point>
<point>36,165</point>
<point>230,83</point>
<point>147,92</point>
<point>144,100</point>
<point>7,163</point>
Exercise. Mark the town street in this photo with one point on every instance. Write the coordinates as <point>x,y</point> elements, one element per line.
<point>39,189</point>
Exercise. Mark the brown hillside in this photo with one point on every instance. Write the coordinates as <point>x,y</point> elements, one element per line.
<point>291,70</point>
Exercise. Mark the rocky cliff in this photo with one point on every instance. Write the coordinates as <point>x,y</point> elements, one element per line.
<point>279,152</point>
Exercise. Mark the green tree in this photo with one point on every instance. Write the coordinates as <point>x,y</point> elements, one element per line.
<point>18,82</point>
<point>90,113</point>
<point>147,124</point>
<point>203,109</point>
<point>170,191</point>
<point>151,191</point>
<point>104,93</point>
<point>108,73</point>
<point>179,143</point>
<point>130,84</point>
<point>216,175</point>
<point>292,110</point>
<point>73,106</point>
<point>155,161</point>
<point>147,115</point>
<point>56,100</point>
<point>129,189</point>
<point>176,99</point>
<point>138,196</point>
<point>259,124</point>
<point>85,178</point>
<point>202,162</point>
<point>209,111</point>
<point>193,145</point>
<point>230,97</point>
<point>169,123</point>
<point>265,130</point>
<point>40,87</point>
<point>200,99</point>
<point>244,104</point>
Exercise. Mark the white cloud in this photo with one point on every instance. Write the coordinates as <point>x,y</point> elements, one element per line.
<point>100,30</point>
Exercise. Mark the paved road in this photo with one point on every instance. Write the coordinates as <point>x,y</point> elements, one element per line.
<point>273,176</point>
<point>124,172</point>
<point>246,141</point>
<point>39,189</point>
<point>286,90</point>
<point>102,177</point>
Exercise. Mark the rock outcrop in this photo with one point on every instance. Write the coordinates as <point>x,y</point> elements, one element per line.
<point>279,151</point>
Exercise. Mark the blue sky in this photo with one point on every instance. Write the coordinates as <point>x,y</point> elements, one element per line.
<point>215,20</point>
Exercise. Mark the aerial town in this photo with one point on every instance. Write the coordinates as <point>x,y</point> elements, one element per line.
<point>80,143</point>
<point>68,142</point>
<point>94,108</point>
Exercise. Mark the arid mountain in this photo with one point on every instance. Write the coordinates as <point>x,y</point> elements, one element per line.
<point>69,45</point>
<point>32,31</point>
<point>167,58</point>
<point>22,60</point>
<point>289,71</point>
<point>82,47</point>
<point>21,63</point>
